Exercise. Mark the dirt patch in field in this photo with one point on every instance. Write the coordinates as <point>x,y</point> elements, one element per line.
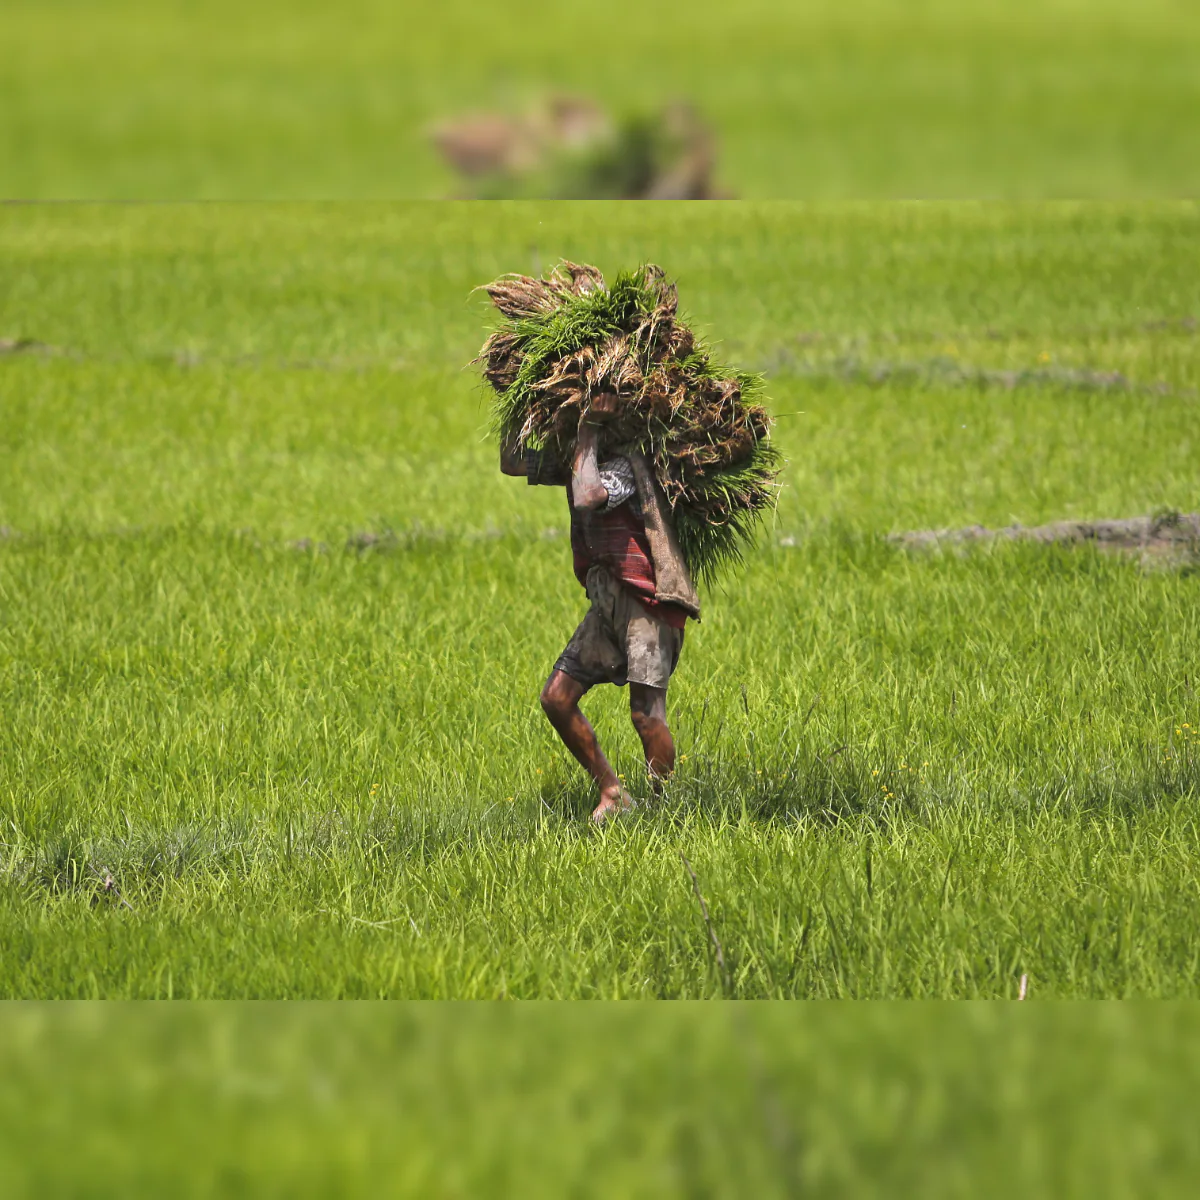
<point>25,347</point>
<point>1168,537</point>
<point>944,371</point>
<point>416,537</point>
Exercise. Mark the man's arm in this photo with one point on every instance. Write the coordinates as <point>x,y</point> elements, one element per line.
<point>534,466</point>
<point>586,489</point>
<point>512,459</point>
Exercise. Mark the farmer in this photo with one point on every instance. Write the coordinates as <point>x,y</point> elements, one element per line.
<point>626,556</point>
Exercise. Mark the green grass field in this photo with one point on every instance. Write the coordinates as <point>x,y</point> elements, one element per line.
<point>817,99</point>
<point>598,1100</point>
<point>320,770</point>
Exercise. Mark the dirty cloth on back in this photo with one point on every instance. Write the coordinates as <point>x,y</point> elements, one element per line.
<point>633,538</point>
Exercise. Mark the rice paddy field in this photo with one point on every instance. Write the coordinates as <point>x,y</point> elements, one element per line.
<point>596,1100</point>
<point>817,99</point>
<point>273,626</point>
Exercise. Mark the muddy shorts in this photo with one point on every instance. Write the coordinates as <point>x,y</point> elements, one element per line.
<point>619,641</point>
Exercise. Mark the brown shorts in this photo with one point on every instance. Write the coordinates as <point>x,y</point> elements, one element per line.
<point>620,641</point>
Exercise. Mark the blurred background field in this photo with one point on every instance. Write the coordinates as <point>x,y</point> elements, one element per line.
<point>350,1100</point>
<point>272,626</point>
<point>127,99</point>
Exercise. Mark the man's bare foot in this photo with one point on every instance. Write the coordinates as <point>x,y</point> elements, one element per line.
<point>613,802</point>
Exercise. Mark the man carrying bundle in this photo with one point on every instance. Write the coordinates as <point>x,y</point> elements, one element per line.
<point>668,467</point>
<point>641,594</point>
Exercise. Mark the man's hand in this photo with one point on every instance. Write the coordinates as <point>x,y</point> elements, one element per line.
<point>601,408</point>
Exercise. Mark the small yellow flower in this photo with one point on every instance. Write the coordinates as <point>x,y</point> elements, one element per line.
<point>874,772</point>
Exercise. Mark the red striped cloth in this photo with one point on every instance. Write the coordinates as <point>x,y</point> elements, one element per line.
<point>617,541</point>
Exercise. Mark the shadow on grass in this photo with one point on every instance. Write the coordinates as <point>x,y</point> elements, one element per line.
<point>822,792</point>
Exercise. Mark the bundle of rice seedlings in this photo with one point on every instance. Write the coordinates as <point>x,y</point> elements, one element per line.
<point>568,336</point>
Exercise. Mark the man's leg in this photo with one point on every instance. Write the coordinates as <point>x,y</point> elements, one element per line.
<point>560,702</point>
<point>648,711</point>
